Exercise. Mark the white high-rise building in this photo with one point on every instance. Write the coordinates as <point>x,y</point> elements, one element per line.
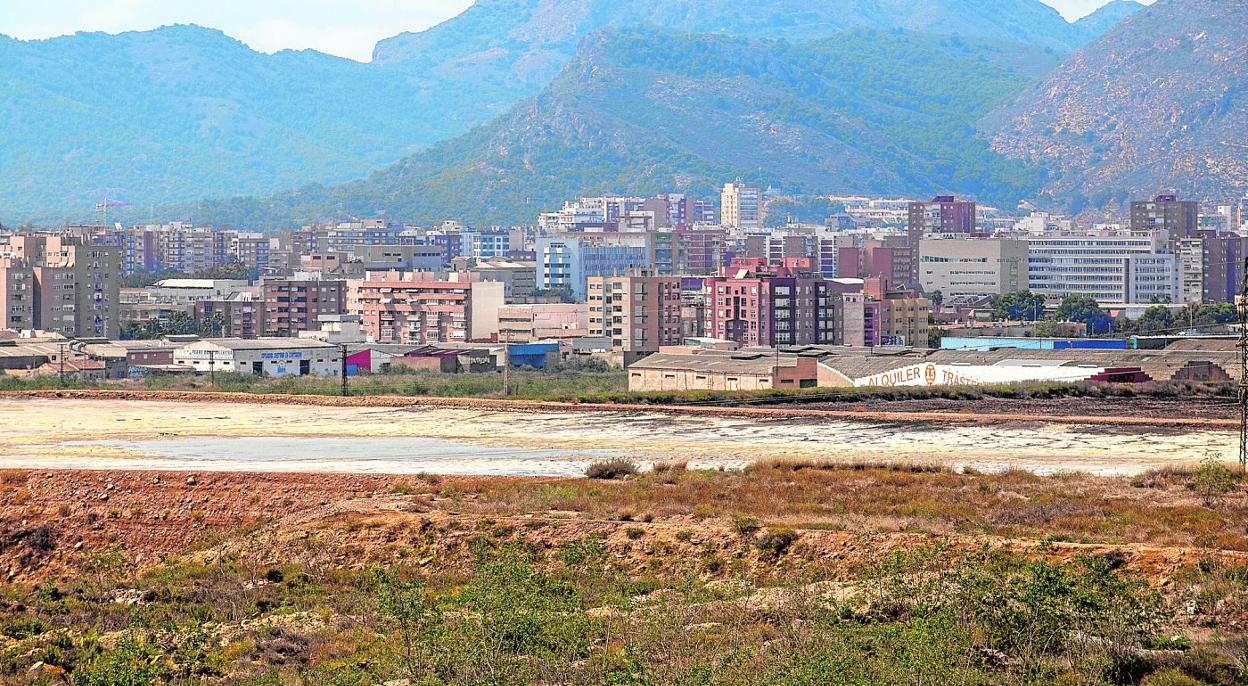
<point>741,207</point>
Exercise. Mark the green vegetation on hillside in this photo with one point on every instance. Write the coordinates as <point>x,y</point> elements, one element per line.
<point>646,111</point>
<point>183,112</point>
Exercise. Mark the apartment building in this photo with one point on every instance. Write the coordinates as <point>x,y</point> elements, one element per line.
<point>887,257</point>
<point>294,305</point>
<point>1178,218</point>
<point>519,278</point>
<point>417,308</point>
<point>570,260</point>
<point>542,321</point>
<point>347,235</point>
<point>403,258</point>
<point>705,249</point>
<point>741,206</point>
<point>944,215</point>
<point>669,253</point>
<point>185,248</point>
<point>76,285</point>
<point>1210,267</point>
<point>900,317</point>
<point>17,294</point>
<point>965,268</point>
<point>238,315</point>
<point>640,314</point>
<point>485,245</point>
<point>755,303</point>
<point>250,250</point>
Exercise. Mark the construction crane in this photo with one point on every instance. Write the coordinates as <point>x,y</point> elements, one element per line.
<point>105,205</point>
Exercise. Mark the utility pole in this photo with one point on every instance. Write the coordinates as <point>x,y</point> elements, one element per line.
<point>212,368</point>
<point>62,362</point>
<point>342,351</point>
<point>1243,371</point>
<point>507,366</point>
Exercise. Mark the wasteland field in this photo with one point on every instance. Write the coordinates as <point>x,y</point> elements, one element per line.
<point>793,550</point>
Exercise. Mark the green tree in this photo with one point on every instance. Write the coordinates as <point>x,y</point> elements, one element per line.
<point>1221,313</point>
<point>1021,306</point>
<point>177,324</point>
<point>1155,319</point>
<point>1049,329</point>
<point>1085,310</point>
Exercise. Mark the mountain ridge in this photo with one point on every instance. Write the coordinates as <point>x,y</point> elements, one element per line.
<point>184,112</point>
<point>642,111</point>
<point>1160,103</point>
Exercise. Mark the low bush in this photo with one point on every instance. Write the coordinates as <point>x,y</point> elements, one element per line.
<point>776,542</point>
<point>608,470</point>
<point>746,526</point>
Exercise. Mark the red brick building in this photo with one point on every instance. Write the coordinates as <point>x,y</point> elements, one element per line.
<point>294,305</point>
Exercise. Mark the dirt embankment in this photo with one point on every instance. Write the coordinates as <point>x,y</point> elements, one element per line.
<point>1196,412</point>
<point>65,523</point>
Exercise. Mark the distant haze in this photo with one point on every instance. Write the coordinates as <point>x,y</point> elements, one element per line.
<point>347,28</point>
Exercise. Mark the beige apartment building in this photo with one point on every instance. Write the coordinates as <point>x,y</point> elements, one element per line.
<point>640,314</point>
<point>972,268</point>
<point>741,207</point>
<point>418,308</point>
<point>541,322</point>
<point>904,320</point>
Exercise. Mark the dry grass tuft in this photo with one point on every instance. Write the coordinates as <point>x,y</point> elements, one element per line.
<point>794,465</point>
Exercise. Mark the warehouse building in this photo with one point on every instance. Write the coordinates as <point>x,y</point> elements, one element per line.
<point>263,356</point>
<point>682,369</point>
<point>718,370</point>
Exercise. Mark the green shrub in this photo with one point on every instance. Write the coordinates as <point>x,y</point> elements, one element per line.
<point>776,542</point>
<point>131,662</point>
<point>1170,677</point>
<point>607,470</point>
<point>1212,480</point>
<point>745,526</point>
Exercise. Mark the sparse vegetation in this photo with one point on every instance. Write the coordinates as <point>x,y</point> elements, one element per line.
<point>786,573</point>
<point>618,468</point>
<point>1212,480</point>
<point>603,387</point>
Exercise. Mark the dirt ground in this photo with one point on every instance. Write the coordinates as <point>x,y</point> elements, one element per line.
<point>59,523</point>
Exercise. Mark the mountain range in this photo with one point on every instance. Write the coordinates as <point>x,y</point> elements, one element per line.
<point>1159,103</point>
<point>515,105</point>
<point>647,111</point>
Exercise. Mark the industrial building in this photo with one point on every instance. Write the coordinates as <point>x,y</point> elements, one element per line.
<point>682,369</point>
<point>263,356</point>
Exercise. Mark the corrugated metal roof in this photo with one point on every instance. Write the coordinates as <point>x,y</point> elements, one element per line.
<point>262,344</point>
<point>710,362</point>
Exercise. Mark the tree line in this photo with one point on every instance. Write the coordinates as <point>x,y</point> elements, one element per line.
<point>1027,306</point>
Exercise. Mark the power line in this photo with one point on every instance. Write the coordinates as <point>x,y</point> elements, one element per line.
<point>1243,371</point>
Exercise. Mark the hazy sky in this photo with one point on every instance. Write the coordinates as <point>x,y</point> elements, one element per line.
<point>348,28</point>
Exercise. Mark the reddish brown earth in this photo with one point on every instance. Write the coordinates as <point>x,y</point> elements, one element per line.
<point>56,523</point>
